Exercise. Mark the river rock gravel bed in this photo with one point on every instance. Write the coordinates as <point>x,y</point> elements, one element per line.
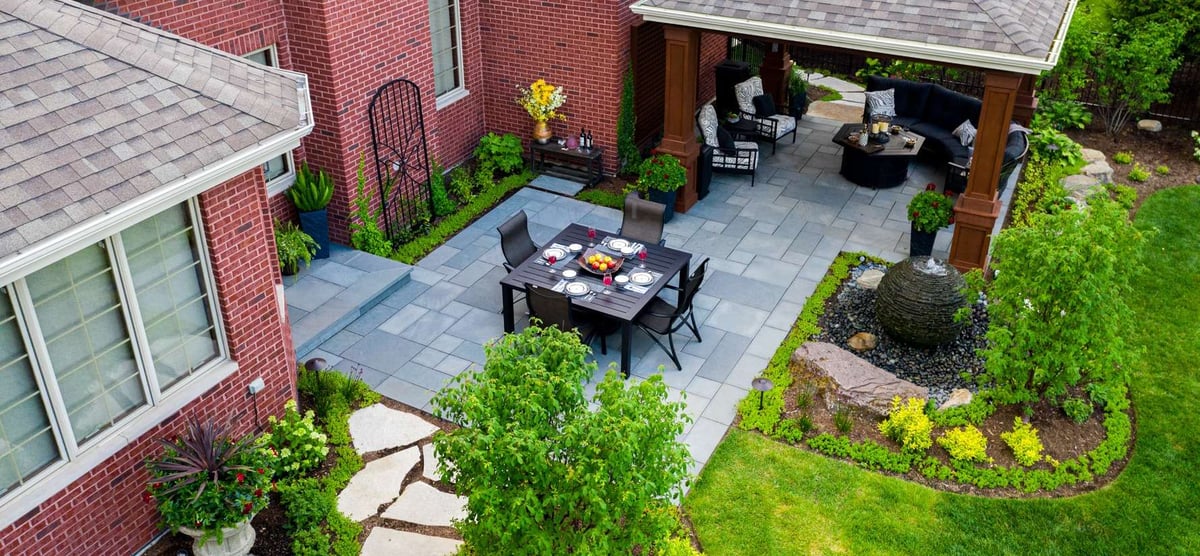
<point>941,369</point>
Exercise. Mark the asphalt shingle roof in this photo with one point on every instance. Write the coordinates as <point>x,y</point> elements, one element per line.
<point>1020,27</point>
<point>96,110</point>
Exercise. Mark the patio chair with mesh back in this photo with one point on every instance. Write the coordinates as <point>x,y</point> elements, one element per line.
<point>515,242</point>
<point>642,220</point>
<point>728,156</point>
<point>555,309</point>
<point>660,318</point>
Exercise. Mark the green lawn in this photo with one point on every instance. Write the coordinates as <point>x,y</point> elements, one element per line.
<point>760,497</point>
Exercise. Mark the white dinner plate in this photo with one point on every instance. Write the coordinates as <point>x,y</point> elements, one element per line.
<point>577,288</point>
<point>641,278</point>
<point>555,252</point>
<point>618,244</point>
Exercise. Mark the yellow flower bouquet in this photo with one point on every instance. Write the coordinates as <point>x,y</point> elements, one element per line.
<point>542,100</point>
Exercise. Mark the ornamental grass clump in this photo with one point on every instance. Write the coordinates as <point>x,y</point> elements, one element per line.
<point>542,101</point>
<point>908,425</point>
<point>930,211</point>
<point>207,480</point>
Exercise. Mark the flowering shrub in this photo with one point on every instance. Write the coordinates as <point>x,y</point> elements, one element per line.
<point>208,481</point>
<point>930,211</point>
<point>296,440</point>
<point>1024,442</point>
<point>663,172</point>
<point>965,444</point>
<point>542,101</point>
<point>908,425</point>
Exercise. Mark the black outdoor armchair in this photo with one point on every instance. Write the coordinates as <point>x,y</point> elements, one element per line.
<point>660,318</point>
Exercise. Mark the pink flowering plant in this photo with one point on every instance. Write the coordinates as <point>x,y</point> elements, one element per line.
<point>663,172</point>
<point>208,481</point>
<point>930,211</point>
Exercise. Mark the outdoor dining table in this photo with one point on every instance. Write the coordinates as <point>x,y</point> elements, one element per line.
<point>620,302</point>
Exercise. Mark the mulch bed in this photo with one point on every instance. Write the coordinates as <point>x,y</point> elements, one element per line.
<point>1061,437</point>
<point>1173,147</point>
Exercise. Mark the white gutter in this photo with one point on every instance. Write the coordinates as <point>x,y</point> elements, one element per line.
<point>49,250</point>
<point>867,43</point>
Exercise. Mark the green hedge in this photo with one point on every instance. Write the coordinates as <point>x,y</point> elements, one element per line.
<point>413,251</point>
<point>602,198</point>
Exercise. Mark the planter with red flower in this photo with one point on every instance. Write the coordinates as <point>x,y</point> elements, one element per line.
<point>659,178</point>
<point>209,486</point>
<point>928,212</point>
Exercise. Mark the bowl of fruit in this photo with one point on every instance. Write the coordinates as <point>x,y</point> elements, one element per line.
<point>597,262</point>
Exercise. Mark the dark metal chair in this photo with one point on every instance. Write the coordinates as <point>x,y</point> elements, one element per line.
<point>642,220</point>
<point>555,309</point>
<point>515,241</point>
<point>660,318</point>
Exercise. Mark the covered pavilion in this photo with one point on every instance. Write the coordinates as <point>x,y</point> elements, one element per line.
<point>1012,42</point>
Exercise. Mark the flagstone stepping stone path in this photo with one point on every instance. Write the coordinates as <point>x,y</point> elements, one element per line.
<point>379,489</point>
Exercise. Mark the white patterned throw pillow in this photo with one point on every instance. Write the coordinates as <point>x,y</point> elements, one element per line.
<point>965,133</point>
<point>881,103</point>
<point>745,93</point>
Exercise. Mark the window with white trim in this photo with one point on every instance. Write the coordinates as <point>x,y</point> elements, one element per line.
<point>88,341</point>
<point>447,52</point>
<point>279,172</point>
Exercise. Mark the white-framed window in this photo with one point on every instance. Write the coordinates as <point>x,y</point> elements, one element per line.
<point>99,337</point>
<point>279,172</point>
<point>446,40</point>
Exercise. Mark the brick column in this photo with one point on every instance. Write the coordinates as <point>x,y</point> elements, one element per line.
<point>679,129</point>
<point>1026,100</point>
<point>774,72</point>
<point>978,208</point>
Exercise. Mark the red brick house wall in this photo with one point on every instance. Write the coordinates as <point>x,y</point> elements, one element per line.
<point>348,48</point>
<point>582,46</point>
<point>712,52</point>
<point>102,512</point>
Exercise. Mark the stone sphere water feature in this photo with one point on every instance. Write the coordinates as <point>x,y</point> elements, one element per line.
<point>917,299</point>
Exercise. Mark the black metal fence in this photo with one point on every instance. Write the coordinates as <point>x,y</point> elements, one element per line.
<point>1184,106</point>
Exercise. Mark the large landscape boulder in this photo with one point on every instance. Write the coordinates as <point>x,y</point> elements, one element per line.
<point>843,379</point>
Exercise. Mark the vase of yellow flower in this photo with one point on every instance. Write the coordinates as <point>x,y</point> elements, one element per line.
<point>542,101</point>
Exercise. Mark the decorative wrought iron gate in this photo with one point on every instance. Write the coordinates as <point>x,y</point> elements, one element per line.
<point>401,157</point>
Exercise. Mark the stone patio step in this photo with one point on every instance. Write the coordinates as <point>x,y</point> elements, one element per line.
<point>328,295</point>
<point>553,184</point>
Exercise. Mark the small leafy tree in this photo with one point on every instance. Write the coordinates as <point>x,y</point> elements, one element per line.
<point>1057,307</point>
<point>1130,64</point>
<point>627,152</point>
<point>543,473</point>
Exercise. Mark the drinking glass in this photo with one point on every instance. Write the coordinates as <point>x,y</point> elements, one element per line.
<point>607,279</point>
<point>591,237</point>
<point>642,257</point>
<point>552,259</point>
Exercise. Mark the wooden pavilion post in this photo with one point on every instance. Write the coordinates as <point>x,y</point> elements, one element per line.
<point>1026,100</point>
<point>679,130</point>
<point>978,208</point>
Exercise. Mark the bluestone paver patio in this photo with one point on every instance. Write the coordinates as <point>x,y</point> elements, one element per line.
<point>768,245</point>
